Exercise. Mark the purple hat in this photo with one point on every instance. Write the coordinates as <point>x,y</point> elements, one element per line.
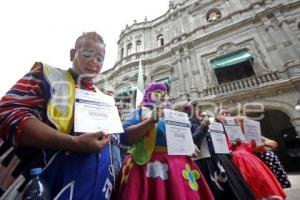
<point>152,87</point>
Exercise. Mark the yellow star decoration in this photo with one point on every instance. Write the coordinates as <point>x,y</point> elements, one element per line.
<point>191,176</point>
<point>126,169</point>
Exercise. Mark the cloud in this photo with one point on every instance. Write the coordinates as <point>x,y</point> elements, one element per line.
<point>157,169</point>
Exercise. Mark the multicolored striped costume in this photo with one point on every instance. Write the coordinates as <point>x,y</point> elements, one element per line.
<point>48,94</point>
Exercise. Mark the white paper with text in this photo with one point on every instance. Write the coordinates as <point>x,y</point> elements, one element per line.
<point>95,111</point>
<point>178,133</point>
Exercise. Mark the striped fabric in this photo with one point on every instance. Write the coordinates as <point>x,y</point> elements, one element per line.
<point>24,100</point>
<point>29,98</point>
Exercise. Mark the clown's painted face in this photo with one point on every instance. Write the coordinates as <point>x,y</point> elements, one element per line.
<point>222,114</point>
<point>88,58</point>
<point>158,96</point>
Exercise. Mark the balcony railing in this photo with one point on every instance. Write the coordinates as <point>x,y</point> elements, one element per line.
<point>243,84</point>
<point>146,24</point>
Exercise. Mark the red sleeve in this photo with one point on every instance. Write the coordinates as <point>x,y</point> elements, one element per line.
<point>23,101</point>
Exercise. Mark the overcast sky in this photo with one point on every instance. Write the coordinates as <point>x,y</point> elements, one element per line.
<point>45,30</point>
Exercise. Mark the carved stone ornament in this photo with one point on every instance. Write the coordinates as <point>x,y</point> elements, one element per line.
<point>213,15</point>
<point>138,36</point>
<point>226,48</point>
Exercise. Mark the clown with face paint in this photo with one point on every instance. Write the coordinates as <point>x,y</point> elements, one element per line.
<point>149,172</point>
<point>38,112</point>
<point>258,176</point>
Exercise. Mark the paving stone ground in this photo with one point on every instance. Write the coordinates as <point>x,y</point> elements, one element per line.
<point>293,193</point>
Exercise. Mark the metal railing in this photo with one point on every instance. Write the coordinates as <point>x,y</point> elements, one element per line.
<point>243,84</point>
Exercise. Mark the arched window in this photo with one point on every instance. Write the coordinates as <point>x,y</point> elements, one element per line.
<point>138,46</point>
<point>160,40</point>
<point>129,49</point>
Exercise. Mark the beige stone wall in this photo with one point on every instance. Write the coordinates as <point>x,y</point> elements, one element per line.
<point>268,29</point>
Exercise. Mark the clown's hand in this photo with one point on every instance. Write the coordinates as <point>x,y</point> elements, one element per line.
<point>156,114</point>
<point>237,142</point>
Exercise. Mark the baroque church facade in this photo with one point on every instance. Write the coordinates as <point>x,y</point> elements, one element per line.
<point>240,54</point>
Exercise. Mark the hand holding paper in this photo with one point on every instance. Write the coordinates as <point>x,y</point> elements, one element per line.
<point>178,132</point>
<point>96,112</point>
<point>92,142</point>
<point>156,114</point>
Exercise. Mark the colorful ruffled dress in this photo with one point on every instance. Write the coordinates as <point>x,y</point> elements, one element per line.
<point>223,178</point>
<point>274,164</point>
<point>259,177</point>
<point>150,173</point>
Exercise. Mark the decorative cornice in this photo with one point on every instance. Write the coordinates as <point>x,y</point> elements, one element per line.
<point>175,45</point>
<point>161,69</point>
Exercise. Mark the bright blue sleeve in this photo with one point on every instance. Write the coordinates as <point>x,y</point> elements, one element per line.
<point>133,119</point>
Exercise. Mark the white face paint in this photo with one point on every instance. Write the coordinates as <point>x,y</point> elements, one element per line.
<point>155,97</point>
<point>158,96</point>
<point>88,59</point>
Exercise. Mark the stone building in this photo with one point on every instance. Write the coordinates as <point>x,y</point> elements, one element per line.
<point>240,54</point>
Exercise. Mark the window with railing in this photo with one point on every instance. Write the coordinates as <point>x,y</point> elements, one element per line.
<point>234,66</point>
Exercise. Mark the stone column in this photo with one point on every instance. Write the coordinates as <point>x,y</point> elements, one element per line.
<point>202,72</point>
<point>269,45</point>
<point>272,50</point>
<point>289,35</point>
<point>185,72</point>
<point>193,89</point>
<point>277,39</point>
<point>296,124</point>
<point>189,67</point>
<point>147,71</point>
<point>182,92</point>
<point>198,80</point>
<point>286,44</point>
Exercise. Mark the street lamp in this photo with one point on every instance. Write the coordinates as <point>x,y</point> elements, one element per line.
<point>297,106</point>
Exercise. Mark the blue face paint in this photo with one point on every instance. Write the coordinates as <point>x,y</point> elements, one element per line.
<point>90,54</point>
